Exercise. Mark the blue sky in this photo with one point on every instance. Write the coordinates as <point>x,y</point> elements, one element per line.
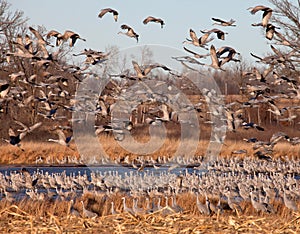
<point>179,17</point>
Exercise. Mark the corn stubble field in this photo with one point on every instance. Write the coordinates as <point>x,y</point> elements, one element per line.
<point>53,217</point>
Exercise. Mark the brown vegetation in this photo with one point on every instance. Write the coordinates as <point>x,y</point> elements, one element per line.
<point>52,217</point>
<point>56,154</point>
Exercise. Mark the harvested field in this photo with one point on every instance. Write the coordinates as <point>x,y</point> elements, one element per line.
<point>55,154</point>
<point>19,218</point>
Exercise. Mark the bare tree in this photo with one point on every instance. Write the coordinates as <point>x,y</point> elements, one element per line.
<point>11,24</point>
<point>287,17</point>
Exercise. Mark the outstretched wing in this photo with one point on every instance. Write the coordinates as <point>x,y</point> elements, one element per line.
<point>53,33</point>
<point>255,9</point>
<point>148,19</point>
<point>25,128</point>
<point>103,12</point>
<point>150,67</point>
<point>255,56</point>
<point>61,135</point>
<point>36,34</point>
<point>190,51</point>
<point>218,20</point>
<point>35,126</point>
<point>213,55</point>
<point>193,35</point>
<point>68,34</point>
<point>137,67</point>
<point>276,51</point>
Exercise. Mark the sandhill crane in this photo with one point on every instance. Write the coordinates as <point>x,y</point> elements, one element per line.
<point>15,139</point>
<point>215,208</point>
<point>62,139</point>
<point>288,202</point>
<point>233,204</point>
<point>155,20</point>
<point>137,210</point>
<point>270,59</point>
<point>157,207</point>
<point>290,81</point>
<point>113,212</point>
<point>215,62</point>
<point>223,22</point>
<point>201,42</point>
<point>220,33</point>
<point>263,155</point>
<point>283,58</point>
<point>109,10</point>
<point>175,206</point>
<point>203,208</point>
<point>274,109</point>
<point>142,73</point>
<point>58,35</point>
<point>130,32</point>
<point>166,115</point>
<point>289,119</point>
<point>41,40</point>
<point>72,210</point>
<point>125,208</point>
<point>24,50</point>
<point>20,51</point>
<point>230,56</point>
<point>270,30</point>
<point>266,15</point>
<point>93,57</point>
<point>88,214</point>
<point>103,128</point>
<point>261,76</point>
<point>225,49</point>
<point>259,206</point>
<point>277,136</point>
<point>234,119</point>
<point>247,125</point>
<point>19,46</point>
<point>68,34</point>
<point>28,43</point>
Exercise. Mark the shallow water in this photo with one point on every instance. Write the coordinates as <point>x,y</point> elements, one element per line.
<point>116,170</point>
<point>74,171</point>
<point>83,169</point>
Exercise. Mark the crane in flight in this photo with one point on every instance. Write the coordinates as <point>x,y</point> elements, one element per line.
<point>130,32</point>
<point>109,10</point>
<point>155,20</point>
<point>223,22</point>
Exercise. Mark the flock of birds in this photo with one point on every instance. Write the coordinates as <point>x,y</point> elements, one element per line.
<point>260,182</point>
<point>50,92</point>
<point>228,185</point>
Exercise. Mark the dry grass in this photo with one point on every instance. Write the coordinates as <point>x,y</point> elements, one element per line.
<point>32,150</point>
<point>52,217</point>
<point>52,152</point>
